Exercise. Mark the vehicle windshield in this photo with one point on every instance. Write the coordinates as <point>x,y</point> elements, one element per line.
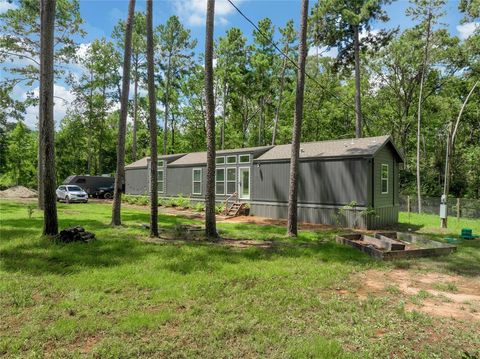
<point>74,188</point>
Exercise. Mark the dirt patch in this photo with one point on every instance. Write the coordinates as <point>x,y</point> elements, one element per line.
<point>436,294</point>
<point>241,244</point>
<point>18,192</point>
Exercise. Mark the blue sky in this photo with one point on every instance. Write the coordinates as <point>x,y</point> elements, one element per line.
<point>100,16</point>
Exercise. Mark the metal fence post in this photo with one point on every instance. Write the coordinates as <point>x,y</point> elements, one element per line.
<point>458,209</point>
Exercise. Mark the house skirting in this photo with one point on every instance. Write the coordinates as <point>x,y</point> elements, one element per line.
<point>331,215</point>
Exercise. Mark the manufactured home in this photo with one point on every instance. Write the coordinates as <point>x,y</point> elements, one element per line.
<point>348,182</point>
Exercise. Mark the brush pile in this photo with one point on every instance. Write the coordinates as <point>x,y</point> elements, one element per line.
<point>75,234</point>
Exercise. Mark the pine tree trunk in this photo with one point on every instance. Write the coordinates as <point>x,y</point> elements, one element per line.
<point>50,222</point>
<point>224,114</point>
<point>167,108</point>
<point>40,151</point>
<point>122,124</point>
<point>210,224</point>
<point>280,97</point>
<point>172,123</point>
<point>297,123</point>
<point>152,106</point>
<point>135,112</point>
<point>358,98</point>
<point>419,111</point>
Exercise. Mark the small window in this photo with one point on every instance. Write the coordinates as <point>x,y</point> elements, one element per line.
<point>197,181</point>
<point>231,159</point>
<point>81,180</point>
<point>220,181</point>
<point>160,163</point>
<point>220,160</point>
<point>384,179</point>
<point>244,159</point>
<point>231,180</point>
<point>160,181</point>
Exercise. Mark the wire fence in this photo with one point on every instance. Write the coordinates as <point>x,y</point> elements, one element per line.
<point>456,207</point>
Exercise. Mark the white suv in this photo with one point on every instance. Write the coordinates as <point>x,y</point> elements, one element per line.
<point>71,194</point>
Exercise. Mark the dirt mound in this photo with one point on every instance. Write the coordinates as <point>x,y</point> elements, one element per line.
<point>18,192</point>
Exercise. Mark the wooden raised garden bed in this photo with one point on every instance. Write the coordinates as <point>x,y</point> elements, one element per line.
<point>395,245</point>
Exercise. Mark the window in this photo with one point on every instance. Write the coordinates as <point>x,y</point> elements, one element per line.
<point>220,160</point>
<point>244,159</point>
<point>197,181</point>
<point>160,180</point>
<point>231,180</point>
<point>231,159</point>
<point>384,179</point>
<point>160,163</point>
<point>81,180</point>
<point>220,181</point>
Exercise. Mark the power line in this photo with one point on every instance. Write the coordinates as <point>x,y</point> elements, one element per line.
<point>289,58</point>
<point>348,106</point>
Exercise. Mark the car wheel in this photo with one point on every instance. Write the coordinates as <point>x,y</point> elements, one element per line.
<point>67,199</point>
<point>107,195</point>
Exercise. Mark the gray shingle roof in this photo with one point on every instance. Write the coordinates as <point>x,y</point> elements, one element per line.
<point>139,163</point>
<point>143,162</point>
<point>367,146</point>
<point>199,158</point>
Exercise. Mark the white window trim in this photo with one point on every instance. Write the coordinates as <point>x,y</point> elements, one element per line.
<point>384,179</point>
<point>230,163</point>
<point>234,181</point>
<point>242,162</point>
<point>193,182</point>
<point>218,158</point>
<point>224,179</point>
<point>249,183</point>
<point>158,163</point>
<point>163,180</point>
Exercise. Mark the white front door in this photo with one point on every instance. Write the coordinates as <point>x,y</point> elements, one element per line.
<point>244,182</point>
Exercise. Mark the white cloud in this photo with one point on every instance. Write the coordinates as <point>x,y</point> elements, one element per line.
<point>63,99</point>
<point>467,29</point>
<point>193,11</point>
<point>5,6</point>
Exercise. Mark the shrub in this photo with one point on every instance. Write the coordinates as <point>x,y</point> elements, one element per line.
<point>199,207</point>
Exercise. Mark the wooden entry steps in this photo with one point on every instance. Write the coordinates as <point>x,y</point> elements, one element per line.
<point>235,209</point>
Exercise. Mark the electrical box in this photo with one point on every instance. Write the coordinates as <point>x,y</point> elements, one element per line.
<point>443,211</point>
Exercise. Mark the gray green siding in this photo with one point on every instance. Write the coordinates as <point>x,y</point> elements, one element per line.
<point>136,181</point>
<point>179,181</point>
<point>333,182</point>
<point>384,156</point>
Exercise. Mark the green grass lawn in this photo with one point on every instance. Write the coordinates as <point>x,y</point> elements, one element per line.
<point>120,297</point>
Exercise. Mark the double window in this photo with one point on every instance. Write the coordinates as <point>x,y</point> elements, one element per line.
<point>225,184</point>
<point>384,178</point>
<point>197,181</point>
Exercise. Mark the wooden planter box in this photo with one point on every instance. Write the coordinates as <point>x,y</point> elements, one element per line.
<point>388,245</point>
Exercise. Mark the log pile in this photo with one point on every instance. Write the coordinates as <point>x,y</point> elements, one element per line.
<point>75,234</point>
